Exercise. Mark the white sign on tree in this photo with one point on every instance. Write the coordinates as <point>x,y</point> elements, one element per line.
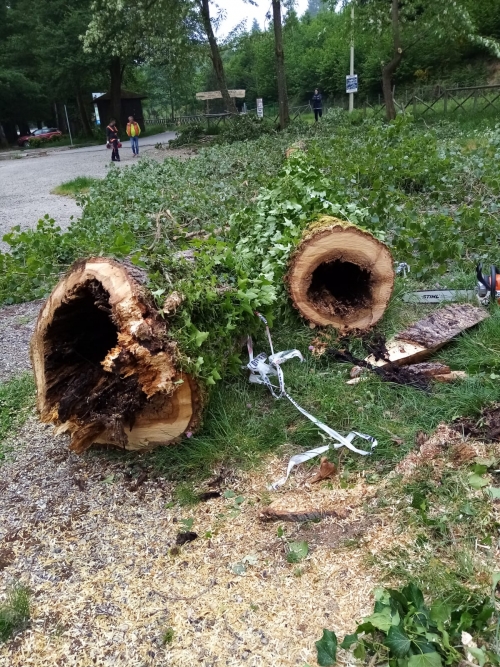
<point>260,107</point>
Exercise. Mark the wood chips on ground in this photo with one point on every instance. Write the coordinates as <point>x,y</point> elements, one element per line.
<point>96,553</point>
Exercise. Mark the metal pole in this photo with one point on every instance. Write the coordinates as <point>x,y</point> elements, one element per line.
<point>67,123</point>
<point>351,95</point>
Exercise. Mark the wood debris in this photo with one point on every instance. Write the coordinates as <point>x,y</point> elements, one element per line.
<point>425,337</point>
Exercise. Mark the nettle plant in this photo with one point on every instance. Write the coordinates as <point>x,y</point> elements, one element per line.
<point>404,631</point>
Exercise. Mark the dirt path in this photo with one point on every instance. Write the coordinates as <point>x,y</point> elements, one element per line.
<point>26,183</point>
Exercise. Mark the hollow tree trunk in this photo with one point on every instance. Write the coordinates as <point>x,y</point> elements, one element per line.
<point>104,367</point>
<point>389,69</point>
<point>340,275</point>
<point>115,89</point>
<point>229,104</point>
<point>280,66</point>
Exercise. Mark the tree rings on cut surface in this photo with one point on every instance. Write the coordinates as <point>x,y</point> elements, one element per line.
<point>105,368</point>
<point>340,275</point>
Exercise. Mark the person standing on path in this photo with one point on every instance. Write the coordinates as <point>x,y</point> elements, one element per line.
<point>317,105</point>
<point>133,131</point>
<point>112,137</point>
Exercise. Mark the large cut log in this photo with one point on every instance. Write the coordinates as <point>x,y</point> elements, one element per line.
<point>340,275</point>
<point>105,368</point>
<point>426,336</point>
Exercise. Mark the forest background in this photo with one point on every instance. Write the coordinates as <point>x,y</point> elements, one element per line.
<point>57,53</point>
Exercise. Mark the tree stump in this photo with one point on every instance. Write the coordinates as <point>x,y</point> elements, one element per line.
<point>105,368</point>
<point>340,275</point>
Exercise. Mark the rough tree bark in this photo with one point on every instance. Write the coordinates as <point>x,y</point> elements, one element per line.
<point>115,90</point>
<point>340,276</point>
<point>105,369</point>
<point>280,66</point>
<point>229,104</point>
<point>82,110</point>
<point>389,69</point>
<point>3,139</point>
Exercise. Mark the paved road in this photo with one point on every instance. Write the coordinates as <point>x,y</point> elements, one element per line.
<point>25,184</point>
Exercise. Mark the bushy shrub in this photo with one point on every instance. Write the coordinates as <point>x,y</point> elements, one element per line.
<point>35,142</point>
<point>245,128</point>
<point>189,134</point>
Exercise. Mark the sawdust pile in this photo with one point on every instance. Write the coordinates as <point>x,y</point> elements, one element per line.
<point>445,447</point>
<point>107,581</point>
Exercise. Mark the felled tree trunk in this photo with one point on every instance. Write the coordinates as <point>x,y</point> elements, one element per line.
<point>105,369</point>
<point>341,276</point>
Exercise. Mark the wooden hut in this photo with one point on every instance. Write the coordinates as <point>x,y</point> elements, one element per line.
<point>131,106</point>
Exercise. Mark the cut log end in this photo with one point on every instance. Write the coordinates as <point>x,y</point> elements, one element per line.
<point>341,276</point>
<point>104,367</point>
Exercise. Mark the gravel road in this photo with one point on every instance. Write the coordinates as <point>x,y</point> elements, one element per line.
<point>26,183</point>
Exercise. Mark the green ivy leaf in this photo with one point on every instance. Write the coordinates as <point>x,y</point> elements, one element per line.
<point>348,641</point>
<point>425,660</point>
<point>360,651</point>
<point>327,649</point>
<point>398,642</point>
<point>200,337</point>
<point>476,481</point>
<point>414,596</point>
<point>494,492</point>
<point>381,620</point>
<point>440,613</point>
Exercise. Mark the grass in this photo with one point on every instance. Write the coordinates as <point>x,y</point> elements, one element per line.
<point>244,423</point>
<point>78,186</point>
<point>16,400</point>
<point>14,612</point>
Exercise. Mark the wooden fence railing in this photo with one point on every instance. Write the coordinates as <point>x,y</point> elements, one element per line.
<point>423,102</point>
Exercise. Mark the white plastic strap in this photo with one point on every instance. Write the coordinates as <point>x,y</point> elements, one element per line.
<point>261,368</point>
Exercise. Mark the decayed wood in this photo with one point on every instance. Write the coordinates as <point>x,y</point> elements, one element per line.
<point>340,275</point>
<point>427,336</point>
<point>430,369</point>
<point>105,369</point>
<point>300,514</point>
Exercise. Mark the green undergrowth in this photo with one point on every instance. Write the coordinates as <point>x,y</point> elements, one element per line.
<point>14,611</point>
<point>16,401</point>
<point>244,422</point>
<point>77,186</point>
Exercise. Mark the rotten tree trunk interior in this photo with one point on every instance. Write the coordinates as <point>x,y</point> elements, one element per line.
<point>341,276</point>
<point>105,369</point>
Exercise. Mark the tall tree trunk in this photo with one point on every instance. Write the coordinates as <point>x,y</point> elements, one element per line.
<point>389,69</point>
<point>82,110</point>
<point>115,89</point>
<point>280,66</point>
<point>3,139</point>
<point>229,104</point>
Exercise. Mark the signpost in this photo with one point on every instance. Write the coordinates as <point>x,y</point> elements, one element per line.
<point>260,107</point>
<point>350,83</point>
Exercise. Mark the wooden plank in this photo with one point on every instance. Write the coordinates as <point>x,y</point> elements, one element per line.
<point>423,338</point>
<point>217,95</point>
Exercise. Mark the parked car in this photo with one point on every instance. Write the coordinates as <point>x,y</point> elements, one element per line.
<point>44,134</point>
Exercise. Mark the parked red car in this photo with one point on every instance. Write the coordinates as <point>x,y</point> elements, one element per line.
<point>44,134</point>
